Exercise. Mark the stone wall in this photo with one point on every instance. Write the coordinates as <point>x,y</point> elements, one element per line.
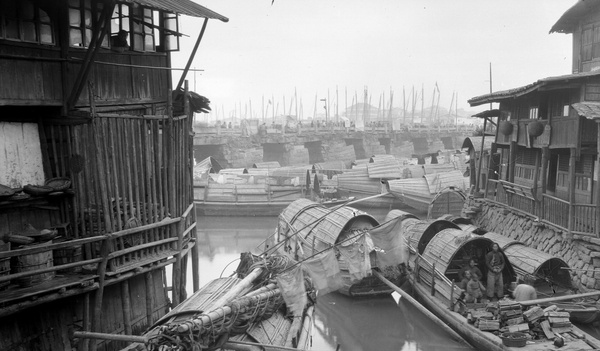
<point>580,252</point>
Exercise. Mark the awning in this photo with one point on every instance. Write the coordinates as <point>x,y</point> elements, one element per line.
<point>588,109</point>
<point>487,114</point>
<point>183,7</point>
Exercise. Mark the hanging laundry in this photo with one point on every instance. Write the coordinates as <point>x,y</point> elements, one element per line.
<point>324,271</point>
<point>293,291</point>
<point>393,248</point>
<point>355,253</point>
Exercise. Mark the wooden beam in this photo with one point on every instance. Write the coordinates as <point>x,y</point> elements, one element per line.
<point>192,55</point>
<point>97,38</point>
<point>126,302</point>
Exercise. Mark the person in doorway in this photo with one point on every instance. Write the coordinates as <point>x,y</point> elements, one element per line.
<point>525,291</point>
<point>472,267</point>
<point>494,261</point>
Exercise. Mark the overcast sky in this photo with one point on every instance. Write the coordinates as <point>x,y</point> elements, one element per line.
<point>315,45</point>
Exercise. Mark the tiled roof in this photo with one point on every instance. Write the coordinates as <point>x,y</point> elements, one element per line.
<point>516,92</point>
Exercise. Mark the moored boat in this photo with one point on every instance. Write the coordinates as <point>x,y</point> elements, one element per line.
<point>307,229</point>
<point>432,283</point>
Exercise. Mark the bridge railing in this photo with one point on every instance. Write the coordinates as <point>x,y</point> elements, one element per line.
<point>277,129</point>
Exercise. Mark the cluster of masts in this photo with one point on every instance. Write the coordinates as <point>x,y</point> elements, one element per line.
<point>329,109</point>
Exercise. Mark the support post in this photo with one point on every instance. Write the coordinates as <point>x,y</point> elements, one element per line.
<point>433,279</point>
<point>104,252</point>
<point>572,160</point>
<point>479,168</point>
<point>126,299</point>
<point>597,180</point>
<point>511,161</point>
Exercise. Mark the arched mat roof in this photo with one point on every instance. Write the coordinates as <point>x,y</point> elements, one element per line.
<point>402,215</point>
<point>528,260</point>
<point>319,225</point>
<point>455,219</point>
<point>420,233</point>
<point>444,246</point>
<point>448,201</point>
<point>475,143</point>
<point>503,241</point>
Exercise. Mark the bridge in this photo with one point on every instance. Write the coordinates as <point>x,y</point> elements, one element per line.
<point>237,147</point>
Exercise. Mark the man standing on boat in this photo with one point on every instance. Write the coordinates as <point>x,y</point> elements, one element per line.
<point>494,260</point>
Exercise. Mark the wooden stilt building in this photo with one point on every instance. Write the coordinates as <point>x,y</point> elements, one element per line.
<point>86,102</point>
<point>546,146</point>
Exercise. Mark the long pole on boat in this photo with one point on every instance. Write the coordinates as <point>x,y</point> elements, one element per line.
<point>421,308</point>
<point>478,177</point>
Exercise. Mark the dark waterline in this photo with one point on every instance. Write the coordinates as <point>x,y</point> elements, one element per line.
<point>341,323</point>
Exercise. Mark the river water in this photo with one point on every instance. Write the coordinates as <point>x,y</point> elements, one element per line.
<point>341,323</point>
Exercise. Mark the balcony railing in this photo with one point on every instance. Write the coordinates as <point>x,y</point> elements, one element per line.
<point>549,209</point>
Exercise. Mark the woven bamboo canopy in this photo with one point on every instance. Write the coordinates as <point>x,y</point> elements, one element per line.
<point>320,227</point>
<point>503,241</point>
<point>456,219</point>
<point>444,247</point>
<point>420,233</point>
<point>401,215</point>
<point>447,201</point>
<point>544,267</point>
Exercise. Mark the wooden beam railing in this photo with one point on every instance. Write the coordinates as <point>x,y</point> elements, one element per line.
<point>555,211</point>
<point>584,216</point>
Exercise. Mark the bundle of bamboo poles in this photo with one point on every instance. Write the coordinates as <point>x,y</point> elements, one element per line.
<point>253,299</point>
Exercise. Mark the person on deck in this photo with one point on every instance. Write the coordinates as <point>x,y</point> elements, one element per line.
<point>475,289</point>
<point>465,280</point>
<point>525,291</point>
<point>494,260</point>
<point>472,267</point>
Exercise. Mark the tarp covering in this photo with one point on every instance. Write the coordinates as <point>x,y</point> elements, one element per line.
<point>387,237</point>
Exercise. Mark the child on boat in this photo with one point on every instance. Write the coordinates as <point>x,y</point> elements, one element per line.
<point>475,289</point>
<point>465,280</point>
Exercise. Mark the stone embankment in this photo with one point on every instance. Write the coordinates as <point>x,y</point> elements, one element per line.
<point>581,252</point>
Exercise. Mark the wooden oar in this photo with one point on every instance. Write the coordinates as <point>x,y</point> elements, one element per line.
<point>558,298</point>
<point>421,308</point>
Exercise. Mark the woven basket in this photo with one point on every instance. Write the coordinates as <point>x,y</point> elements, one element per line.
<point>59,184</point>
<point>515,339</point>
<point>6,191</point>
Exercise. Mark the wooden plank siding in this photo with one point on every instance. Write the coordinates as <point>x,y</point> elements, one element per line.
<point>32,75</point>
<point>27,81</point>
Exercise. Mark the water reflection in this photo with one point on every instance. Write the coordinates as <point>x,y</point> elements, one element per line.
<point>341,322</point>
<point>375,323</point>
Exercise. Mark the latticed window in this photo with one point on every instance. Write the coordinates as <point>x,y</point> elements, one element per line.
<point>25,21</point>
<point>143,30</point>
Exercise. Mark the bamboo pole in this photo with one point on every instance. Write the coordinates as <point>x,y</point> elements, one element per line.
<point>236,291</point>
<point>305,332</point>
<point>149,280</point>
<point>192,55</point>
<point>421,308</point>
<point>126,304</point>
<point>558,298</point>
<point>104,251</point>
<point>84,344</point>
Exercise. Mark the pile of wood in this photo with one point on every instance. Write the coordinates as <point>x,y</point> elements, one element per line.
<point>509,316</point>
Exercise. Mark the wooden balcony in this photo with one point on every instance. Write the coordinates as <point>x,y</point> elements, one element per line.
<point>115,257</point>
<point>576,218</point>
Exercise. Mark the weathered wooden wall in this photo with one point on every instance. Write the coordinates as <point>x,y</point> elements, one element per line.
<point>27,80</point>
<point>21,156</point>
